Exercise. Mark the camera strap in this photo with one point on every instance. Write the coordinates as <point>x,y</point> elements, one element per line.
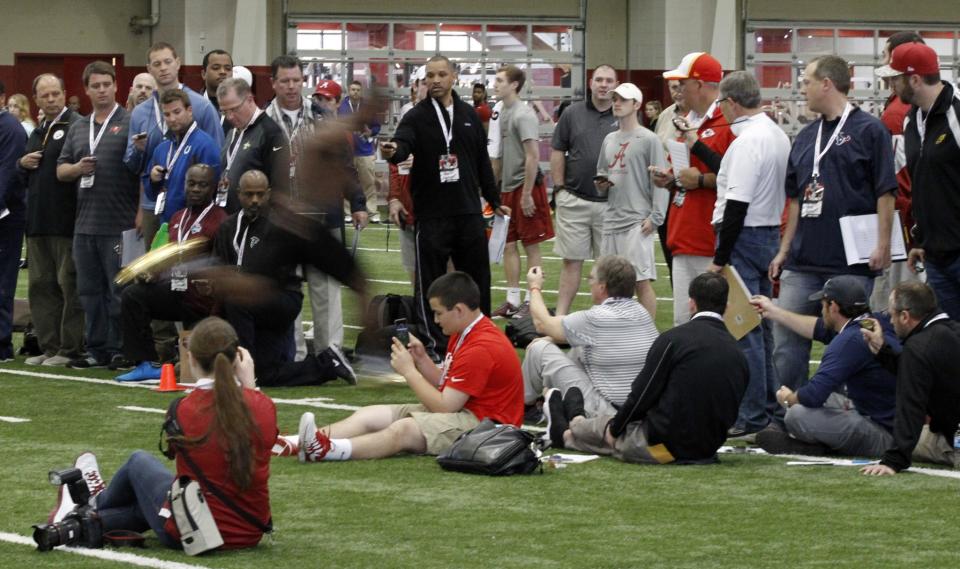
<point>171,427</point>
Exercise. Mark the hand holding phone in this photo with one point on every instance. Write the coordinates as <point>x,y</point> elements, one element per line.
<point>401,331</point>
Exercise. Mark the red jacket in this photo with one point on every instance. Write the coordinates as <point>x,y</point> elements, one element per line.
<point>893,116</point>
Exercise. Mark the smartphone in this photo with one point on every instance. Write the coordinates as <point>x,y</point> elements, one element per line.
<point>602,179</point>
<point>401,331</point>
<point>867,325</point>
<point>139,136</point>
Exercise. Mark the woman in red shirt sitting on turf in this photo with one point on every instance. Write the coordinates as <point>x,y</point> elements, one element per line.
<point>228,430</point>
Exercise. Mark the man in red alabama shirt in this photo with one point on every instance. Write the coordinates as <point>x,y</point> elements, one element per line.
<point>480,378</point>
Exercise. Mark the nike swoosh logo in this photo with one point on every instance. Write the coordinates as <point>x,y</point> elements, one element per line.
<point>275,148</point>
<point>457,379</point>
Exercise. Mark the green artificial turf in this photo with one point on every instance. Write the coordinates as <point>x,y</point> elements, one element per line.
<point>747,511</point>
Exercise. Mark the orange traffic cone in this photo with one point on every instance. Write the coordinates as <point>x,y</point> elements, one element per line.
<point>168,380</point>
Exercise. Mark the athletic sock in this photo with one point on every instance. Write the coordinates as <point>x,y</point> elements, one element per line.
<point>340,449</point>
<point>513,296</point>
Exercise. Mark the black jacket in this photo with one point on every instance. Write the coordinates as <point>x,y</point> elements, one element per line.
<point>264,147</point>
<point>419,133</point>
<point>928,384</point>
<point>689,390</point>
<point>51,204</point>
<point>935,172</point>
<point>271,251</point>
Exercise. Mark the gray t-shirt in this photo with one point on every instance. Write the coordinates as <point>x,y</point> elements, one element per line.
<point>611,341</point>
<point>110,205</point>
<point>579,134</point>
<point>518,123</point>
<point>624,159</point>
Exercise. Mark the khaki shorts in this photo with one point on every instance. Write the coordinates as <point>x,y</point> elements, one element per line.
<point>439,429</point>
<point>578,227</point>
<point>636,247</point>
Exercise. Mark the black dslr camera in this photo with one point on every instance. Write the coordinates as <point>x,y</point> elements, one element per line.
<point>81,527</point>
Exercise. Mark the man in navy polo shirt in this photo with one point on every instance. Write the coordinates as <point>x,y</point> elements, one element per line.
<point>840,165</point>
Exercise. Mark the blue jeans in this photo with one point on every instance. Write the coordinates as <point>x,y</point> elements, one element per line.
<point>751,256</point>
<point>134,497</point>
<point>791,352</point>
<point>97,258</point>
<point>11,242</point>
<point>945,281</point>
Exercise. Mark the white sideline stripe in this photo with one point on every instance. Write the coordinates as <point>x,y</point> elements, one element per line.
<point>107,554</point>
<point>141,409</point>
<point>14,420</point>
<point>141,385</point>
<point>315,403</point>
<point>394,250</point>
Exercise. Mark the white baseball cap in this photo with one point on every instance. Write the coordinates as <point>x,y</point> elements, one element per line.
<point>629,91</point>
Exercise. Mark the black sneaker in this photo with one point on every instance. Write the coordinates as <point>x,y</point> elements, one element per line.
<point>120,363</point>
<point>342,366</point>
<point>556,419</point>
<point>573,403</point>
<point>533,414</point>
<point>87,362</point>
<point>776,441</point>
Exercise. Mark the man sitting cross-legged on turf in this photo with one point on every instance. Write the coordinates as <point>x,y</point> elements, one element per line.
<point>681,404</point>
<point>479,379</point>
<point>179,296</point>
<point>819,417</point>
<point>610,340</point>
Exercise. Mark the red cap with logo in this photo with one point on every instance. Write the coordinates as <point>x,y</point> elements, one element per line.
<point>329,89</point>
<point>911,59</point>
<point>697,65</point>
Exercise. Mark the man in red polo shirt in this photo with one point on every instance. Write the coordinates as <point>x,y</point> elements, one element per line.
<point>480,378</point>
<point>690,235</point>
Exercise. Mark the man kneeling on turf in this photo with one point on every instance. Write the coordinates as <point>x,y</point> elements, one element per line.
<point>681,404</point>
<point>480,378</point>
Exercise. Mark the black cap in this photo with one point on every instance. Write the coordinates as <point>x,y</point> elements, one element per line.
<point>845,290</point>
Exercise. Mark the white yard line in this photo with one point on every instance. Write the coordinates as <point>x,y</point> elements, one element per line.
<point>106,554</point>
<point>141,409</point>
<point>14,420</point>
<point>503,288</point>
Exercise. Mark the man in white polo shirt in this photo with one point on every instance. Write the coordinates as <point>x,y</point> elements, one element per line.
<point>750,201</point>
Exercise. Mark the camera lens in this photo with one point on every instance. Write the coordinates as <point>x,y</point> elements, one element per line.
<point>48,536</point>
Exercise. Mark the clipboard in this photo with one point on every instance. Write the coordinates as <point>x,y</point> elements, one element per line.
<point>740,317</point>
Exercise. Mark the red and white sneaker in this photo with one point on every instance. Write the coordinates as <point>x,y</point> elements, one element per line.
<point>505,310</point>
<point>286,445</point>
<point>87,463</point>
<point>314,443</point>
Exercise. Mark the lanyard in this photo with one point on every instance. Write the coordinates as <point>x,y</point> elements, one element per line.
<point>278,112</point>
<point>94,142</point>
<point>441,116</point>
<point>183,144</point>
<point>352,108</point>
<point>239,247</point>
<point>707,115</point>
<point>819,154</point>
<point>237,139</point>
<point>49,126</point>
<point>449,359</point>
<point>157,114</point>
<point>185,218</point>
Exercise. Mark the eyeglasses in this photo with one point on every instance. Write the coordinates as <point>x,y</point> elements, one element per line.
<point>722,99</point>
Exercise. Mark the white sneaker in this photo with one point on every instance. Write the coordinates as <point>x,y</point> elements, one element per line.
<point>314,444</point>
<point>286,445</point>
<point>87,463</point>
<point>36,360</point>
<point>56,361</point>
<point>65,505</point>
<point>375,218</point>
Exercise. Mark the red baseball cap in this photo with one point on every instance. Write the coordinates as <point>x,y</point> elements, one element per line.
<point>329,89</point>
<point>697,65</point>
<point>911,59</point>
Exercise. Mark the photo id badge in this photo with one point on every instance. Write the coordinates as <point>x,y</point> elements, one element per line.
<point>449,168</point>
<point>161,203</point>
<point>812,199</point>
<point>222,192</point>
<point>178,279</point>
<point>679,197</point>
<point>87,181</point>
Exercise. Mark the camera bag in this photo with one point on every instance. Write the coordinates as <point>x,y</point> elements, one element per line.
<point>191,512</point>
<point>494,450</point>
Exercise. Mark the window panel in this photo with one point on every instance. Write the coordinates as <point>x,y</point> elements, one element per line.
<point>773,40</point>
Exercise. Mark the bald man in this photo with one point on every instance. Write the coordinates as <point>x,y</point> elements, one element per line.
<point>143,86</point>
<point>259,242</point>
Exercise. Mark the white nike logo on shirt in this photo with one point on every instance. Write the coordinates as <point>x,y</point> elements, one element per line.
<point>275,148</point>
<point>456,379</point>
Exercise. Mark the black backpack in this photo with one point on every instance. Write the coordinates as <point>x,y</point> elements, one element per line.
<point>384,309</point>
<point>492,449</point>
